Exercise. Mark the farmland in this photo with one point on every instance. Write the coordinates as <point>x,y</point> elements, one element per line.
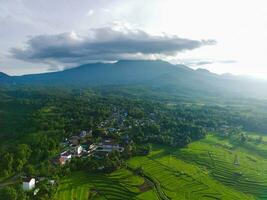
<point>211,168</point>
<point>121,184</point>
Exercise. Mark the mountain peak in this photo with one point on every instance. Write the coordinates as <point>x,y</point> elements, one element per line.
<point>2,74</point>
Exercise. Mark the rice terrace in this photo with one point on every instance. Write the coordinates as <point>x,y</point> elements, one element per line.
<point>212,168</point>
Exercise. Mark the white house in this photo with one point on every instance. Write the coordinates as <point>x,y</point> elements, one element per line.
<point>77,150</point>
<point>64,157</point>
<point>28,183</point>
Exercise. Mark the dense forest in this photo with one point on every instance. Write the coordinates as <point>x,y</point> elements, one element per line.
<point>34,122</point>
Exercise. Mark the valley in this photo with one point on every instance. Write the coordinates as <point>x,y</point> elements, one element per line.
<point>130,142</point>
<point>133,100</point>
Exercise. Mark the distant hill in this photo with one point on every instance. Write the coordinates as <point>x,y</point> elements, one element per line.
<point>3,75</point>
<point>4,78</point>
<point>160,75</point>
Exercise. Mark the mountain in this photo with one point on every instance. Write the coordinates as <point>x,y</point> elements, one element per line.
<point>122,72</point>
<point>159,75</point>
<point>4,78</point>
<point>3,75</point>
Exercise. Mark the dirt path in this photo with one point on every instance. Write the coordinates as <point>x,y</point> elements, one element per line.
<point>156,185</point>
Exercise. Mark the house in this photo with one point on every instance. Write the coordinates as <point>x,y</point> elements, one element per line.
<point>52,182</point>
<point>109,146</point>
<point>77,150</point>
<point>91,148</point>
<point>64,157</point>
<point>28,183</point>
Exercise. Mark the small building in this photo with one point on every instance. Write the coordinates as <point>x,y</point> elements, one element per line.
<point>77,150</point>
<point>64,157</point>
<point>52,182</point>
<point>109,146</point>
<point>92,147</point>
<point>28,183</point>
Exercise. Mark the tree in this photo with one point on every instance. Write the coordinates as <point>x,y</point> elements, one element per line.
<point>243,138</point>
<point>6,162</point>
<point>23,152</point>
<point>29,170</point>
<point>259,139</point>
<point>8,193</point>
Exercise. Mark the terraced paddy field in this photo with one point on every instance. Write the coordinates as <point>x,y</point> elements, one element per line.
<point>121,184</point>
<point>211,168</point>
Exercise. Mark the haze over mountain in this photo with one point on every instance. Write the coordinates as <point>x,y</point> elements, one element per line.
<point>161,75</point>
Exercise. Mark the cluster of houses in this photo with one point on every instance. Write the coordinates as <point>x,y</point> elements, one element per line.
<point>74,148</point>
<point>119,117</point>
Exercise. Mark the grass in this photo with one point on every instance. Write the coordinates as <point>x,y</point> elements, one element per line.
<point>121,184</point>
<point>211,168</point>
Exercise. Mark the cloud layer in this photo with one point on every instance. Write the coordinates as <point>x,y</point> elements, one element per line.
<point>200,62</point>
<point>103,44</point>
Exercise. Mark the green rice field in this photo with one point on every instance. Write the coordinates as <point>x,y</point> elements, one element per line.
<point>121,184</point>
<point>211,168</point>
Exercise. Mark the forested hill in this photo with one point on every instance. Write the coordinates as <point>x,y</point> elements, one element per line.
<point>160,75</point>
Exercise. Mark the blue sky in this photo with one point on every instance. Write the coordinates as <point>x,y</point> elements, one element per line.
<point>46,35</point>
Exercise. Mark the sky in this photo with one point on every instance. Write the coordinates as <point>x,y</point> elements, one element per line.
<point>46,35</point>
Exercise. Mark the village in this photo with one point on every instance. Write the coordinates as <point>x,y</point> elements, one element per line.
<point>77,146</point>
<point>96,143</point>
<point>83,144</point>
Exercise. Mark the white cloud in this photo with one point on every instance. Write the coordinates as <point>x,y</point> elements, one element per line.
<point>239,26</point>
<point>90,12</point>
<point>103,44</point>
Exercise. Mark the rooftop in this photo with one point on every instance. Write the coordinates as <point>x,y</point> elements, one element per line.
<point>27,179</point>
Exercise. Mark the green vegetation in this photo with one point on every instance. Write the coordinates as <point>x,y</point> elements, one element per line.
<point>121,184</point>
<point>185,163</point>
<point>212,168</point>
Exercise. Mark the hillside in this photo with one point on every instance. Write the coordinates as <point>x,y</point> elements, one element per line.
<point>211,168</point>
<point>167,137</point>
<point>159,75</point>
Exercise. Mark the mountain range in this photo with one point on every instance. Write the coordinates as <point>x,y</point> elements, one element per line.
<point>160,75</point>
